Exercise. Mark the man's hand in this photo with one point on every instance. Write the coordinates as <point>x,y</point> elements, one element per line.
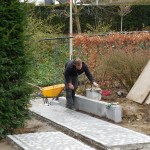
<point>98,88</point>
<point>95,84</point>
<point>71,86</point>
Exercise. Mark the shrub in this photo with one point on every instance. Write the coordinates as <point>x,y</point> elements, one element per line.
<point>14,92</point>
<point>119,57</point>
<point>48,56</point>
<point>125,67</point>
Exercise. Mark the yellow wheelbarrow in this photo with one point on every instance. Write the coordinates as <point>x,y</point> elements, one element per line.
<point>53,92</point>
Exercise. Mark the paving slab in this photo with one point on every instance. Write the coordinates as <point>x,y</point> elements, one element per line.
<point>48,141</point>
<point>94,131</point>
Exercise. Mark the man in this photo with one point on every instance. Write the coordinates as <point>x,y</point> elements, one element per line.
<point>73,68</point>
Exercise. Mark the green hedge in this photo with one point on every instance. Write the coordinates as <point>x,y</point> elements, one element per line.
<point>136,20</point>
<point>14,92</point>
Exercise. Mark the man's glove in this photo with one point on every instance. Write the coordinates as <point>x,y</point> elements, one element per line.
<point>95,84</point>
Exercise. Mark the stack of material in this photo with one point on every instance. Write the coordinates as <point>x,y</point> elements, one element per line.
<point>140,92</point>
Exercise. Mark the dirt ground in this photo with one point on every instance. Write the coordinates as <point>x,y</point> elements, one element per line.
<point>32,125</point>
<point>135,117</point>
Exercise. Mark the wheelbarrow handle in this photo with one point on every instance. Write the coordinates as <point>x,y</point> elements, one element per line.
<point>34,85</point>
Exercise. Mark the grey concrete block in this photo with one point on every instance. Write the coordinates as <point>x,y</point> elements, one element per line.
<point>85,104</point>
<point>100,108</point>
<point>114,113</point>
<point>93,94</point>
<point>61,101</point>
<point>54,102</point>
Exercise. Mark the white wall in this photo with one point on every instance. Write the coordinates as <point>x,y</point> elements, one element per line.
<point>37,2</point>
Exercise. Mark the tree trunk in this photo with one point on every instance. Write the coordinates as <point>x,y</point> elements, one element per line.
<point>77,19</point>
<point>121,23</point>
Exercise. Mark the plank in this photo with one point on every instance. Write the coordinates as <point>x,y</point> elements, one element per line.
<point>141,88</point>
<point>148,99</point>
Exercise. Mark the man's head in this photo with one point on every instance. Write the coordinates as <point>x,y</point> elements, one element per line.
<point>78,63</point>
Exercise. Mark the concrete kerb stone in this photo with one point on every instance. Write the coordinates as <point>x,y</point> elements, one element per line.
<point>99,108</point>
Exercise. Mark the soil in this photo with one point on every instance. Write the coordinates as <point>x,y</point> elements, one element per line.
<point>32,125</point>
<point>135,117</point>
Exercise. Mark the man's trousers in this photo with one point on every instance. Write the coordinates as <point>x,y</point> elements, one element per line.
<point>70,94</point>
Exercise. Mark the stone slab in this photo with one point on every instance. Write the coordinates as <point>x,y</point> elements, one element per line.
<point>107,135</point>
<point>48,141</point>
<point>141,88</point>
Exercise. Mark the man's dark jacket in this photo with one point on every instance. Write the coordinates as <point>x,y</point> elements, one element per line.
<point>71,71</point>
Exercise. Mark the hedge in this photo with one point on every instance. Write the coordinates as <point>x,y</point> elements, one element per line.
<point>138,19</point>
<point>14,91</point>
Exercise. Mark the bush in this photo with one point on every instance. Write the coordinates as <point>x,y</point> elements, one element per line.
<point>14,92</point>
<point>119,57</point>
<point>48,56</point>
<point>125,67</point>
<point>137,19</point>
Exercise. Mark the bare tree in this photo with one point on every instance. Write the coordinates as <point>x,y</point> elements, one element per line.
<point>123,10</point>
<point>77,9</point>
